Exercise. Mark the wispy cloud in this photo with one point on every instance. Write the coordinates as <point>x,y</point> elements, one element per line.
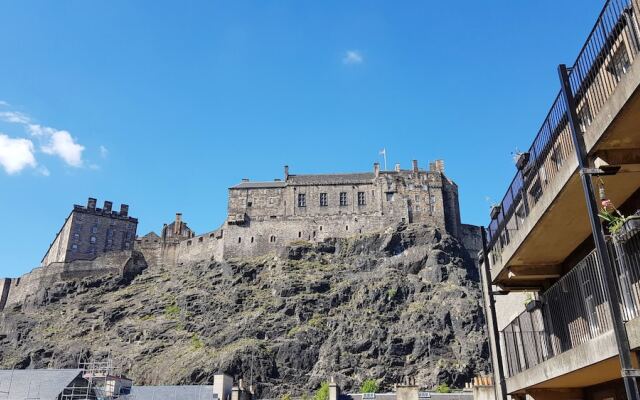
<point>4,103</point>
<point>16,154</point>
<point>104,152</point>
<point>15,117</point>
<point>52,141</point>
<point>352,57</point>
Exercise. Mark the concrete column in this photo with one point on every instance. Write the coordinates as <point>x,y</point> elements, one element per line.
<point>334,390</point>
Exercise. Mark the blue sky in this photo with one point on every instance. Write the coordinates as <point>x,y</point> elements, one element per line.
<point>164,105</point>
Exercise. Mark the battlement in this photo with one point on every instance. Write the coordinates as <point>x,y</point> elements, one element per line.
<point>105,211</point>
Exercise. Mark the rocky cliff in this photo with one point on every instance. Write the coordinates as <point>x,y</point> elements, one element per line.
<point>385,306</point>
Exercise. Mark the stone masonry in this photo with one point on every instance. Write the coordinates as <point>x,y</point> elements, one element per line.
<point>265,217</point>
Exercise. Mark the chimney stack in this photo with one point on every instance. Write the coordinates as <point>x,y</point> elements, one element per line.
<point>124,210</point>
<point>414,164</point>
<point>376,169</point>
<point>397,167</point>
<point>286,172</point>
<point>107,207</point>
<point>440,165</point>
<point>177,226</point>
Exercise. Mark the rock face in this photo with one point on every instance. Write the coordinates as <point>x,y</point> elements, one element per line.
<point>401,303</point>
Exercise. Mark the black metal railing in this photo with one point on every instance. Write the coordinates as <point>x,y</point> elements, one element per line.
<point>606,56</point>
<point>575,309</point>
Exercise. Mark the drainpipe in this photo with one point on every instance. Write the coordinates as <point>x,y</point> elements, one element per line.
<point>628,373</point>
<point>486,289</point>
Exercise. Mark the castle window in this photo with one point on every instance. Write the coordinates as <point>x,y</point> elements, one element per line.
<point>346,228</point>
<point>249,204</point>
<point>188,242</point>
<point>361,199</point>
<point>126,245</point>
<point>302,200</point>
<point>200,239</point>
<point>76,236</point>
<point>251,239</point>
<point>92,239</point>
<point>389,196</point>
<point>239,240</point>
<point>94,229</point>
<point>343,199</point>
<point>272,239</point>
<point>74,247</point>
<point>323,200</point>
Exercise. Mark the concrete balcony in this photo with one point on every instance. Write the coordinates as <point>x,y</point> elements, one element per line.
<point>566,340</point>
<point>543,216</point>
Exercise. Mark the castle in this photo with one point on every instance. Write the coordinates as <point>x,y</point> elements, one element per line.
<point>262,218</point>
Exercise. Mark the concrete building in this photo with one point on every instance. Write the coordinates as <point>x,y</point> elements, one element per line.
<point>552,331</point>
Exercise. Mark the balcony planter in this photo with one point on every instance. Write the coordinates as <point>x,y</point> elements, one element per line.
<point>521,160</point>
<point>533,305</point>
<point>630,225</point>
<point>495,211</point>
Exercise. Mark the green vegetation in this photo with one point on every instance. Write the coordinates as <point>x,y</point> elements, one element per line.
<point>443,388</point>
<point>172,310</point>
<point>391,293</point>
<point>323,392</point>
<point>196,342</point>
<point>286,396</point>
<point>369,386</point>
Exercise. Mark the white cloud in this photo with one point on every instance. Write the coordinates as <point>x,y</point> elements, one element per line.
<point>4,103</point>
<point>352,57</point>
<point>44,171</point>
<point>104,152</point>
<point>15,117</point>
<point>16,154</point>
<point>59,143</point>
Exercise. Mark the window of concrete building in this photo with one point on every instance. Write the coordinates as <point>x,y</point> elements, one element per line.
<point>343,199</point>
<point>92,239</point>
<point>361,199</point>
<point>302,200</point>
<point>324,201</point>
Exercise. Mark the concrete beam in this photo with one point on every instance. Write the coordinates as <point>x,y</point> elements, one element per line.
<point>619,156</point>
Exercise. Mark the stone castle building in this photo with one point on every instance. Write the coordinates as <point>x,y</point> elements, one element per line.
<point>262,218</point>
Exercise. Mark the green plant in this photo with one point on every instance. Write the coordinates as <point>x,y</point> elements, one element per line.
<point>323,392</point>
<point>611,216</point>
<point>391,293</point>
<point>443,388</point>
<point>369,386</point>
<point>172,310</point>
<point>196,342</point>
<point>286,396</point>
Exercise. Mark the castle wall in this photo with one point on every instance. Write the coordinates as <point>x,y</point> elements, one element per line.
<point>58,249</point>
<point>205,247</point>
<point>24,289</point>
<point>471,238</point>
<point>5,285</point>
<point>151,248</point>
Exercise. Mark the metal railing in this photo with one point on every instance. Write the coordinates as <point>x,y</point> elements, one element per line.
<point>610,49</point>
<point>575,309</point>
